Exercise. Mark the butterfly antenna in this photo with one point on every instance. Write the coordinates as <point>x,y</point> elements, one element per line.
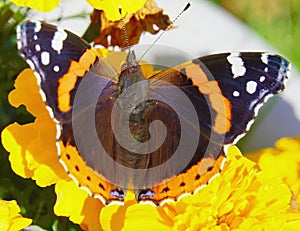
<point>168,28</point>
<point>124,29</point>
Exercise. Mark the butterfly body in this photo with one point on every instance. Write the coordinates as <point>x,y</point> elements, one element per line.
<point>164,136</point>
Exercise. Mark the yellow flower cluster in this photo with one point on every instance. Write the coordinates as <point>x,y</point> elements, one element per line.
<point>111,8</point>
<point>282,161</point>
<point>10,219</point>
<point>242,198</point>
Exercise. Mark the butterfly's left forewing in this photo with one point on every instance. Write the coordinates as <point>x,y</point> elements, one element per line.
<point>60,61</point>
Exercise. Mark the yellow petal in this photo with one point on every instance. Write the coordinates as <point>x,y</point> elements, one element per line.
<point>39,5</point>
<point>134,217</point>
<point>26,93</point>
<point>10,219</point>
<point>292,226</point>
<point>70,200</point>
<point>241,198</point>
<point>145,217</point>
<point>111,8</point>
<point>27,158</point>
<point>112,217</point>
<point>75,203</point>
<point>282,161</point>
<point>16,143</point>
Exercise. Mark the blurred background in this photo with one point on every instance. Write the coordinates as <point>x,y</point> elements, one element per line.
<point>209,26</point>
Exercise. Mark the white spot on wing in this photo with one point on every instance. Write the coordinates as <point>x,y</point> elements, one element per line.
<point>38,78</point>
<point>45,58</point>
<point>101,199</point>
<point>198,188</point>
<point>213,177</point>
<point>237,65</point>
<point>251,87</point>
<point>58,130</point>
<point>257,108</point>
<point>183,196</point>
<point>287,73</point>
<point>264,58</point>
<point>236,94</point>
<point>249,125</point>
<point>262,79</point>
<point>43,96</point>
<point>58,149</point>
<point>38,26</point>
<point>161,203</point>
<point>35,37</point>
<point>49,109</point>
<point>56,68</point>
<point>267,97</point>
<point>113,202</point>
<point>58,40</point>
<point>62,162</point>
<point>30,63</point>
<point>39,81</point>
<point>87,190</point>
<point>19,45</point>
<point>238,138</point>
<point>18,32</point>
<point>37,47</point>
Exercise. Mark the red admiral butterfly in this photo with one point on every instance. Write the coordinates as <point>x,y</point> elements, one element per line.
<point>217,97</point>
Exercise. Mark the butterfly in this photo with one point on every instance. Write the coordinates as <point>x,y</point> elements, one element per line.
<point>165,136</point>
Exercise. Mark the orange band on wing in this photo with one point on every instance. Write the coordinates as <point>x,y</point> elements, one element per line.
<point>196,73</point>
<point>68,81</point>
<point>186,183</point>
<point>218,102</point>
<point>78,170</point>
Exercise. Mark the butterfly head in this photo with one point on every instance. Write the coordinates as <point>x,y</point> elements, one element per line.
<point>131,72</point>
<point>130,61</point>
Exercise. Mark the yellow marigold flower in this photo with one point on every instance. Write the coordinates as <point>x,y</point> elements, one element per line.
<point>111,8</point>
<point>282,161</point>
<point>242,197</point>
<point>10,219</point>
<point>75,203</point>
<point>40,5</point>
<point>31,155</point>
